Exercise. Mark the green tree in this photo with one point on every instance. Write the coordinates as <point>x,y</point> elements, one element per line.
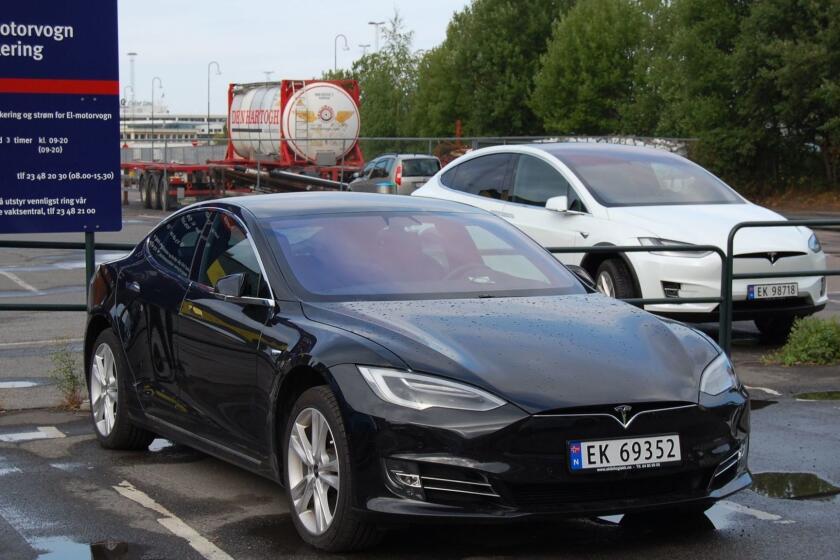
<point>587,78</point>
<point>484,71</point>
<point>787,66</point>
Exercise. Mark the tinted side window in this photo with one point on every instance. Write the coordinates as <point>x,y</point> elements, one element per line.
<point>484,176</point>
<point>228,251</point>
<point>536,181</point>
<point>173,244</point>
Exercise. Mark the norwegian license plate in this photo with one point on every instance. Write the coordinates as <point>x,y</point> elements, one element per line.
<point>771,291</point>
<point>624,454</point>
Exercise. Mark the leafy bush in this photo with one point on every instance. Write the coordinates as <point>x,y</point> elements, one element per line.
<point>812,341</point>
<point>67,375</point>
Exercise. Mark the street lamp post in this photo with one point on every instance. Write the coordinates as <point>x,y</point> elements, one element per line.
<point>268,74</point>
<point>218,73</point>
<point>335,49</point>
<point>376,25</point>
<point>160,85</point>
<point>125,110</point>
<point>364,48</point>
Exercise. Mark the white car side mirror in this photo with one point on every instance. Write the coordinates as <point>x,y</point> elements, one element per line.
<point>557,204</point>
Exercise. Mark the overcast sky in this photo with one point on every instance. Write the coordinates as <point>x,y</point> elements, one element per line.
<point>176,39</point>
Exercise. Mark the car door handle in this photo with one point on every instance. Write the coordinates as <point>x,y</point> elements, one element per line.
<point>134,287</point>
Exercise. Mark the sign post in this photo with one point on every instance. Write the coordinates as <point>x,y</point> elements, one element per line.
<point>59,118</point>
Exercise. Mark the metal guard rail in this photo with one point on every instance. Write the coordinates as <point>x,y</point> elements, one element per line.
<point>726,313</point>
<point>660,248</point>
<point>89,246</point>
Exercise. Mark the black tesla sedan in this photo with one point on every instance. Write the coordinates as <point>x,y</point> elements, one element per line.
<point>390,359</point>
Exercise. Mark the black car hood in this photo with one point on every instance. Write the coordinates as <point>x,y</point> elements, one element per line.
<point>540,353</point>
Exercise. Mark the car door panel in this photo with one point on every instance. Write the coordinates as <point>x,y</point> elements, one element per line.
<point>220,339</point>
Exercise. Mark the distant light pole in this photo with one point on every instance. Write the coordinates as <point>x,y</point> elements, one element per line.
<point>376,25</point>
<point>364,48</point>
<point>335,49</point>
<point>218,73</point>
<point>125,110</point>
<point>160,85</point>
<point>268,74</point>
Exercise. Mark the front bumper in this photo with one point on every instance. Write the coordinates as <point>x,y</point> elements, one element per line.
<point>506,464</point>
<point>701,277</point>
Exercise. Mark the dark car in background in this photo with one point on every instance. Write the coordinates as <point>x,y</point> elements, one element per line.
<point>395,174</point>
<point>393,359</point>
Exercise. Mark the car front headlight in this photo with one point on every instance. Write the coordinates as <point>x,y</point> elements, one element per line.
<point>814,243</point>
<point>420,392</point>
<point>719,376</point>
<point>657,242</point>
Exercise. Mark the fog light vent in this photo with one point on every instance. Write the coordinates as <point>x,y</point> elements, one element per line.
<point>406,479</point>
<point>671,289</point>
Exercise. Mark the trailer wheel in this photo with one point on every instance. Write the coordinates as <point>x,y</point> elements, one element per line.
<point>168,202</point>
<point>154,192</point>
<point>142,185</point>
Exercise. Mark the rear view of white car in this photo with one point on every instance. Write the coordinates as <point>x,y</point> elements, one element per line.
<point>570,195</point>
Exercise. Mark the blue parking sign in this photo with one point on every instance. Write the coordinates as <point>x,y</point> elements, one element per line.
<point>59,117</point>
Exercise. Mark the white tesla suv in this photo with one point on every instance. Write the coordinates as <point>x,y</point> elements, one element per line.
<point>569,195</point>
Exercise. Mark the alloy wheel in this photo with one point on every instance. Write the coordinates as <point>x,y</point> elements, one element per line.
<point>103,390</point>
<point>312,463</point>
<point>605,284</point>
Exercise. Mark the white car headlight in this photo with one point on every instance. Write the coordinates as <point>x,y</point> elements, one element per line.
<point>719,376</point>
<point>657,242</point>
<point>425,391</point>
<point>814,243</point>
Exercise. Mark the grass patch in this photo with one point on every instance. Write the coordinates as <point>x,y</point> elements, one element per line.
<point>66,373</point>
<point>812,341</point>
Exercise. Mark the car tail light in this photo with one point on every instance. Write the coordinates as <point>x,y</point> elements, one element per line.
<point>398,175</point>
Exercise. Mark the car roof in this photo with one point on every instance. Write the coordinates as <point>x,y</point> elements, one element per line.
<point>560,149</point>
<point>329,202</point>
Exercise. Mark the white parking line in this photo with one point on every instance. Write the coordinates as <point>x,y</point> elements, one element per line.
<point>29,343</point>
<point>17,384</point>
<point>19,281</point>
<point>757,513</point>
<point>764,389</point>
<point>43,432</point>
<point>173,523</point>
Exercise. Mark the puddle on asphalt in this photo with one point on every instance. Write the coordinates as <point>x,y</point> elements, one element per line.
<point>793,486</point>
<point>819,396</point>
<point>64,548</point>
<point>160,444</point>
<point>758,404</point>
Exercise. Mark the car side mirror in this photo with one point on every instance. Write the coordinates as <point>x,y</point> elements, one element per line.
<point>356,175</point>
<point>232,285</point>
<point>557,204</point>
<point>582,275</point>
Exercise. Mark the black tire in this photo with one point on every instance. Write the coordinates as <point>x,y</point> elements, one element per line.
<point>618,274</point>
<point>167,201</point>
<point>143,187</point>
<point>348,531</point>
<point>124,435</point>
<point>776,328</point>
<point>151,192</point>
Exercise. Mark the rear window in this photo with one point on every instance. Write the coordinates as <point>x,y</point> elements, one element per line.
<point>425,167</point>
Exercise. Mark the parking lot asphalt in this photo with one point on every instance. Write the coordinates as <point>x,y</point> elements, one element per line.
<point>62,496</point>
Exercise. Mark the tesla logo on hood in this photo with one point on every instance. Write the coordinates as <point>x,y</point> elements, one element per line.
<point>623,410</point>
<point>772,257</point>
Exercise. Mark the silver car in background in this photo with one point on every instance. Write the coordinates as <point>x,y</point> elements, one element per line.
<point>395,174</point>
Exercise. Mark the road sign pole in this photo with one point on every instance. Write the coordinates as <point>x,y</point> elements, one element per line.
<point>90,259</point>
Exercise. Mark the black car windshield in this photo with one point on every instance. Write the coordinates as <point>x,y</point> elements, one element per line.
<point>414,255</point>
<point>423,167</point>
<point>628,178</point>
